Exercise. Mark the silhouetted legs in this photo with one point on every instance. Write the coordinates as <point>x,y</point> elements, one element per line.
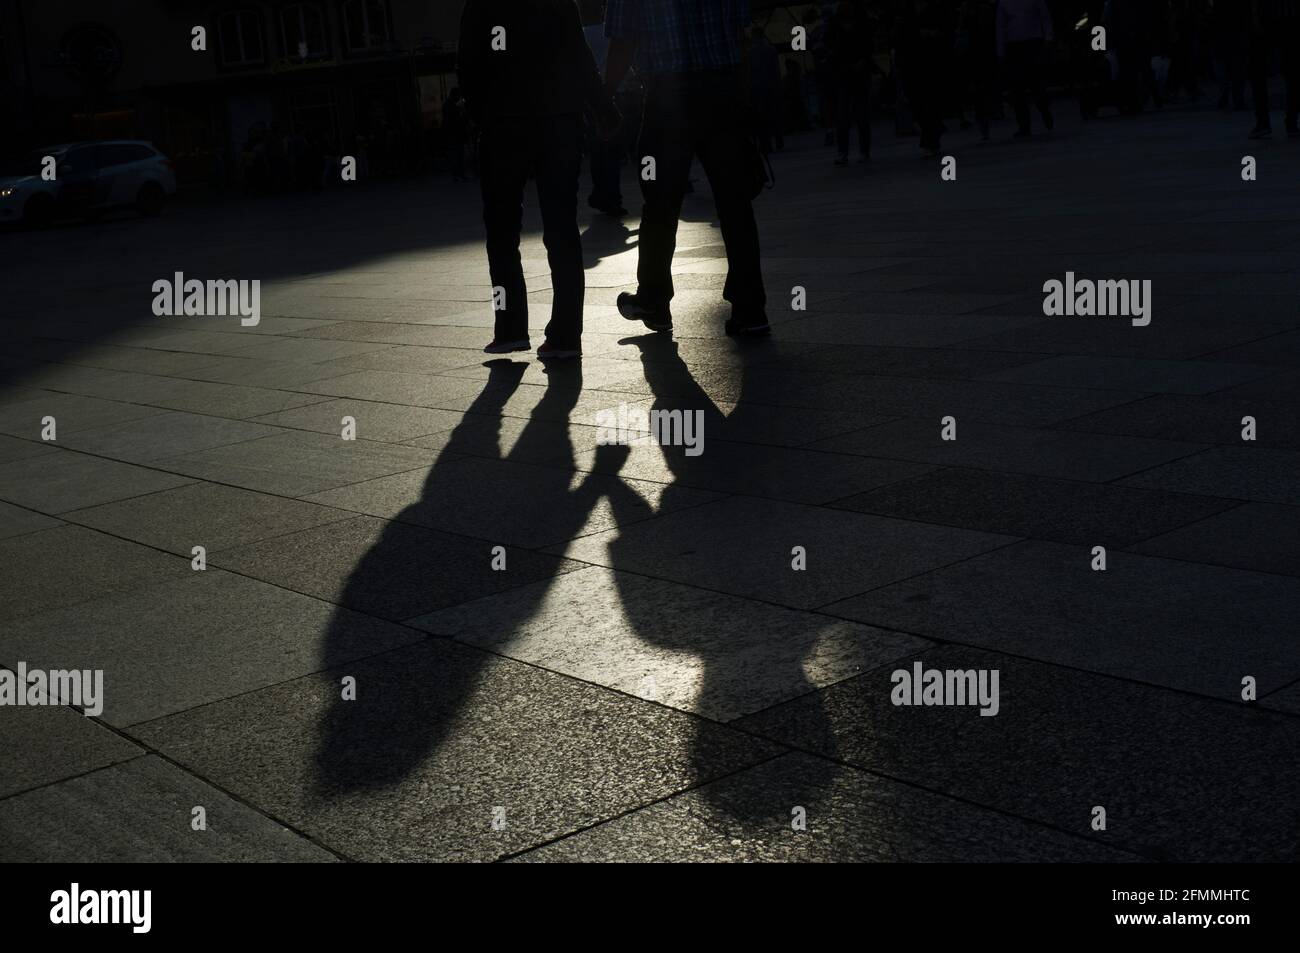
<point>697,114</point>
<point>552,149</point>
<point>1284,36</point>
<point>1024,61</point>
<point>853,107</point>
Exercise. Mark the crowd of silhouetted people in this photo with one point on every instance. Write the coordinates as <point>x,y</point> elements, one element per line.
<point>933,62</point>
<point>930,64</point>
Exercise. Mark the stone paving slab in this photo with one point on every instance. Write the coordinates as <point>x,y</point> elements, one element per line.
<point>545,442</point>
<point>254,372</point>
<point>34,569</point>
<point>1285,699</point>
<point>1014,504</point>
<point>1215,419</point>
<point>57,483</point>
<point>296,463</point>
<point>851,817</point>
<point>438,737</point>
<point>204,397</point>
<point>71,413</point>
<point>1133,374</point>
<point>164,435</point>
<point>926,362</point>
<point>782,473</point>
<point>387,423</point>
<point>140,812</point>
<point>42,744</point>
<point>846,553</point>
<point>1177,624</point>
<point>1262,475</point>
<point>1180,778</point>
<point>691,649</point>
<point>173,645</point>
<point>204,514</point>
<point>1175,341</point>
<point>1282,349</point>
<point>1048,453</point>
<point>16,521</point>
<point>1258,536</point>
<point>532,506</point>
<point>14,448</point>
<point>391,570</point>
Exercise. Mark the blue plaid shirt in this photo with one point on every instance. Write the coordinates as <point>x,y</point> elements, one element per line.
<point>679,36</point>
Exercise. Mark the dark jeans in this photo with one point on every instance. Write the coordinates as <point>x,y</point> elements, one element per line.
<point>853,107</point>
<point>551,148</point>
<point>1024,61</point>
<point>697,114</point>
<point>1284,36</point>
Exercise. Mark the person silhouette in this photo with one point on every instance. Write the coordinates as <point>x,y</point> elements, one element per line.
<point>527,76</point>
<point>696,104</point>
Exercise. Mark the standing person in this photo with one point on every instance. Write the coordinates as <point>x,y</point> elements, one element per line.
<point>1275,25</point>
<point>527,75</point>
<point>1024,30</point>
<point>978,20</point>
<point>1134,28</point>
<point>605,155</point>
<point>852,43</point>
<point>1230,29</point>
<point>926,51</point>
<point>823,83</point>
<point>689,52</point>
<point>1185,18</point>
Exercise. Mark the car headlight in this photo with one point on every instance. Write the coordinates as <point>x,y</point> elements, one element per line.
<point>5,193</point>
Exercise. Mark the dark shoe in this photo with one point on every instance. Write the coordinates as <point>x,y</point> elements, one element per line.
<point>549,352</point>
<point>656,318</point>
<point>841,160</point>
<point>1293,131</point>
<point>507,347</point>
<point>614,208</point>
<point>748,324</point>
<point>1020,134</point>
<point>1261,132</point>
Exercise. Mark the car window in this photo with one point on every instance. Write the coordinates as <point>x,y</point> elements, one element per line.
<point>118,154</point>
<point>80,159</point>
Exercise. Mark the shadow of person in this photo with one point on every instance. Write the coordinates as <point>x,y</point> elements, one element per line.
<point>606,237</point>
<point>403,713</point>
<point>740,666</point>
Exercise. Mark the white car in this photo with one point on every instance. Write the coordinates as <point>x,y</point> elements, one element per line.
<point>89,178</point>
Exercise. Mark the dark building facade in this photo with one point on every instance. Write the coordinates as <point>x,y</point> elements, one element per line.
<point>365,77</point>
